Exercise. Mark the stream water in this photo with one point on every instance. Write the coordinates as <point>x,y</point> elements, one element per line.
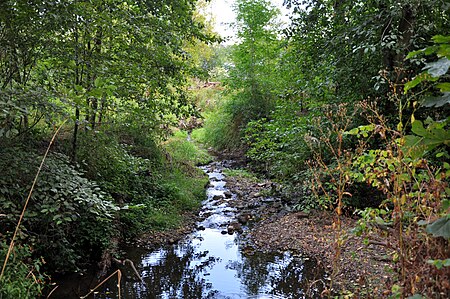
<point>211,263</point>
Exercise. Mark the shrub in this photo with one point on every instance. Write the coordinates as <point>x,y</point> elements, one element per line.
<point>276,145</point>
<point>69,218</point>
<point>221,132</point>
<point>22,277</point>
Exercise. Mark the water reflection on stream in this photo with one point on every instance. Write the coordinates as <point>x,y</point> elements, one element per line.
<point>212,264</point>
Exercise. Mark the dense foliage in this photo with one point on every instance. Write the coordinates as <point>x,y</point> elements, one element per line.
<point>115,76</point>
<point>348,107</point>
<point>251,73</point>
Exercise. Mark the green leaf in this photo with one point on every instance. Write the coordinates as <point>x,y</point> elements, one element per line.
<point>431,50</point>
<point>79,88</point>
<point>414,53</point>
<point>437,101</point>
<point>444,87</point>
<point>414,82</point>
<point>440,227</point>
<point>417,128</point>
<point>438,68</point>
<point>440,39</point>
<point>413,146</point>
<point>439,264</point>
<point>426,139</point>
<point>445,204</point>
<point>361,129</point>
<point>98,82</point>
<point>443,51</point>
<point>96,92</point>
<point>353,131</point>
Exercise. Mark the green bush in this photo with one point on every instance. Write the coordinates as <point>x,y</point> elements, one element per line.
<point>68,219</point>
<point>240,173</point>
<point>21,279</point>
<point>221,131</point>
<point>199,135</point>
<point>179,187</point>
<point>185,181</point>
<point>277,146</point>
<point>152,184</point>
<point>128,178</point>
<point>181,150</point>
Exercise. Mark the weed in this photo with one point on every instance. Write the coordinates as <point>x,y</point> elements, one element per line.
<point>240,173</point>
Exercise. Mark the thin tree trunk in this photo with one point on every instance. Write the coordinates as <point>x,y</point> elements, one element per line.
<point>75,135</point>
<point>77,109</point>
<point>94,107</point>
<point>98,50</point>
<point>90,80</point>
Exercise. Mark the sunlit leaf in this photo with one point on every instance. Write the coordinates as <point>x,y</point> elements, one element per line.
<point>414,53</point>
<point>444,87</point>
<point>413,83</point>
<point>440,39</point>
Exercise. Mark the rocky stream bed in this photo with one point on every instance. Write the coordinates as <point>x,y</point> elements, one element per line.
<point>245,242</point>
<point>272,226</point>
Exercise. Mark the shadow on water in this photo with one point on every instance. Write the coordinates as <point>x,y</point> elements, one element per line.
<point>210,263</point>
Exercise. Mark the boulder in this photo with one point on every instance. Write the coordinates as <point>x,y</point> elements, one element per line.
<point>244,218</point>
<point>217,197</point>
<point>234,227</point>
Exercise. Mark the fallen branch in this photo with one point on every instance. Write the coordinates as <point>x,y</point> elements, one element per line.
<point>124,262</point>
<point>385,244</point>
<point>54,289</point>
<point>119,278</point>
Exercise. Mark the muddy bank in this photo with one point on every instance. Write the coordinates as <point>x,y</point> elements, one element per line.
<point>272,227</point>
<point>154,239</point>
<point>216,260</point>
<point>361,269</point>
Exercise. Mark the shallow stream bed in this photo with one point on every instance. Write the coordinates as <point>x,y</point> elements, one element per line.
<point>214,261</point>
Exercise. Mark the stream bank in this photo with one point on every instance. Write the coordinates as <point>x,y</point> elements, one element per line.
<point>209,257</point>
<point>244,244</point>
<point>363,269</point>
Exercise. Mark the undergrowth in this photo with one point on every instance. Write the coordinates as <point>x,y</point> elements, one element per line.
<point>123,185</point>
<point>240,173</point>
<point>23,277</point>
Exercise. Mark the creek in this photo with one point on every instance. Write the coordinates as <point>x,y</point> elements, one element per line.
<point>214,261</point>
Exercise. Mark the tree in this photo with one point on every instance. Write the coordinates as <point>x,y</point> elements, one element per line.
<point>24,29</point>
<point>115,68</point>
<point>254,59</point>
<point>343,45</point>
<point>97,59</point>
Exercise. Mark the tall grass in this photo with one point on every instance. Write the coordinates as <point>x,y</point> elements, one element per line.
<point>183,182</point>
<point>183,151</point>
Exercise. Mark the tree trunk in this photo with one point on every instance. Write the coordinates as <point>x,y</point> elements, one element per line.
<point>394,58</point>
<point>75,135</point>
<point>77,109</point>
